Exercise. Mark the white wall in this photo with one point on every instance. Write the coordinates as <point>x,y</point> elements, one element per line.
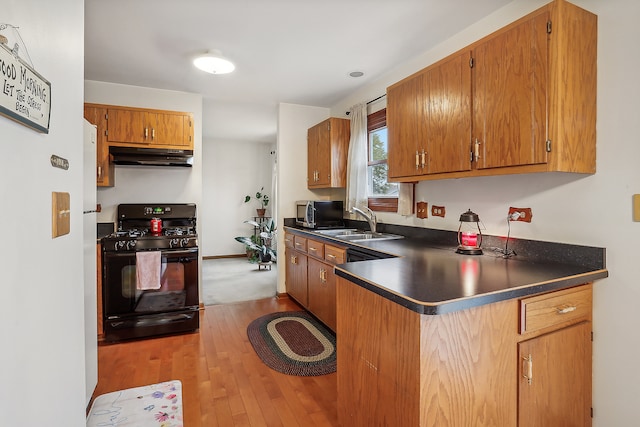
<point>232,170</point>
<point>42,315</point>
<point>153,184</point>
<point>293,123</point>
<point>591,210</point>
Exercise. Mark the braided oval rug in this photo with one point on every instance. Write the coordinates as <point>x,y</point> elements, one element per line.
<point>294,343</point>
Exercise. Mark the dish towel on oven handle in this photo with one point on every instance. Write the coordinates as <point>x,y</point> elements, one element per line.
<point>148,270</point>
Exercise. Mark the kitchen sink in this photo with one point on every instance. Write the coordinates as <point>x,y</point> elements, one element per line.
<point>338,231</point>
<point>354,235</point>
<point>367,237</point>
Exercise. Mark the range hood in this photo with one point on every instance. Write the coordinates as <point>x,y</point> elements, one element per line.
<point>151,156</point>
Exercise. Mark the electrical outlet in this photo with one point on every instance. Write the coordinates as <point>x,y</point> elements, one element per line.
<point>421,210</point>
<point>520,214</point>
<point>438,211</point>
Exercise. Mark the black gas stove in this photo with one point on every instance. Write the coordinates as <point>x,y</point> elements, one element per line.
<point>134,231</point>
<point>150,272</point>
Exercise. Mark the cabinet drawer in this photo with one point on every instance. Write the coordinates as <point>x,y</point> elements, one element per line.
<point>288,240</point>
<point>315,249</point>
<point>300,243</point>
<point>334,254</point>
<point>557,309</point>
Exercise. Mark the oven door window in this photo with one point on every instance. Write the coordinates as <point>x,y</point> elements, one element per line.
<point>178,284</point>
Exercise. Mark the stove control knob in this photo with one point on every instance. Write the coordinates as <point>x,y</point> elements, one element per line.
<point>173,243</point>
<point>184,242</point>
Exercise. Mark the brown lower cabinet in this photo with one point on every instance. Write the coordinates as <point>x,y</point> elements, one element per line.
<point>309,275</point>
<point>522,362</point>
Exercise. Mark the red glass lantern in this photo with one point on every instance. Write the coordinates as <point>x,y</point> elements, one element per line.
<point>469,234</point>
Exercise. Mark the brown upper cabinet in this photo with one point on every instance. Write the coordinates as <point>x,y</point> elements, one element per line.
<point>143,127</point>
<point>429,120</point>
<point>97,115</point>
<point>327,149</point>
<point>530,105</point>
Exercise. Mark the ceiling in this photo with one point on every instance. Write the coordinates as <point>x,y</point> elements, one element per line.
<point>291,51</point>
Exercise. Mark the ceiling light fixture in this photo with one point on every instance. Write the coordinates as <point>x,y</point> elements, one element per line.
<point>213,62</point>
<point>356,74</point>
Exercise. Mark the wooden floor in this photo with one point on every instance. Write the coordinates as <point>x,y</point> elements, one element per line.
<point>224,383</point>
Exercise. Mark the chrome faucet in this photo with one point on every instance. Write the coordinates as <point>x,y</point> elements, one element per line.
<point>369,216</point>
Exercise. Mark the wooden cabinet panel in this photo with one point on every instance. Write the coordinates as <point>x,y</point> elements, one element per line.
<point>288,240</point>
<point>105,173</point>
<point>300,243</point>
<point>129,126</point>
<point>510,88</point>
<point>429,120</point>
<point>405,127</point>
<point>167,128</point>
<point>327,149</point>
<point>296,276</point>
<point>315,248</point>
<point>322,291</point>
<point>555,310</point>
<point>555,378</point>
<point>335,254</point>
<point>449,115</point>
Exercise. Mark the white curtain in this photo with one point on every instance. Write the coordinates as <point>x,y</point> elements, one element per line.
<point>357,158</point>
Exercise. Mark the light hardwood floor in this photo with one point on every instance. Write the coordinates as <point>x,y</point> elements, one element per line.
<point>224,382</point>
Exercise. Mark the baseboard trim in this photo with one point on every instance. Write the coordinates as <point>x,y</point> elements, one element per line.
<point>225,256</point>
<point>282,295</point>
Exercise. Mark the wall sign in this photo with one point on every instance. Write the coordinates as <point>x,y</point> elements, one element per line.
<point>59,162</point>
<point>25,96</point>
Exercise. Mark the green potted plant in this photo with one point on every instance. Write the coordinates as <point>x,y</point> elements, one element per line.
<point>261,197</point>
<point>259,245</point>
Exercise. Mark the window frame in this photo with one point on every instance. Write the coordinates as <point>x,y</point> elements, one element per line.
<point>375,121</point>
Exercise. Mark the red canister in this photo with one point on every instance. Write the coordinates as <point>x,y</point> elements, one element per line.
<point>156,226</point>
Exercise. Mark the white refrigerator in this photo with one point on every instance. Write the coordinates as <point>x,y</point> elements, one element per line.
<point>89,239</point>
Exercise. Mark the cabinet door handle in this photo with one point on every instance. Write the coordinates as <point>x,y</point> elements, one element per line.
<point>527,368</point>
<point>424,162</point>
<point>417,160</point>
<point>323,275</point>
<point>153,133</point>
<point>566,309</point>
<point>99,171</point>
<point>312,249</point>
<point>477,149</point>
<point>294,259</point>
<point>146,133</point>
<point>331,256</point>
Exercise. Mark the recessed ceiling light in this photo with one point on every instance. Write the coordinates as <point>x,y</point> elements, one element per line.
<point>356,74</point>
<point>213,62</point>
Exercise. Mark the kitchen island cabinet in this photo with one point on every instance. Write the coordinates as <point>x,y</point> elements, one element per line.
<point>433,338</point>
<point>466,368</point>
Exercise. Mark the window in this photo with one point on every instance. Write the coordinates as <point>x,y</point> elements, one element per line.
<point>383,195</point>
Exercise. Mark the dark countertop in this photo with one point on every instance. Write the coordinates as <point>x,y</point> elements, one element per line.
<point>429,277</point>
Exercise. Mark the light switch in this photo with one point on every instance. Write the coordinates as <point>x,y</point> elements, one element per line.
<point>60,214</point>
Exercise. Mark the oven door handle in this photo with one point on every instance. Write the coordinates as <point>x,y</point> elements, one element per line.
<point>174,252</point>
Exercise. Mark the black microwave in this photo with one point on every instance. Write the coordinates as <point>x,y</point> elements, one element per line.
<point>320,213</point>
